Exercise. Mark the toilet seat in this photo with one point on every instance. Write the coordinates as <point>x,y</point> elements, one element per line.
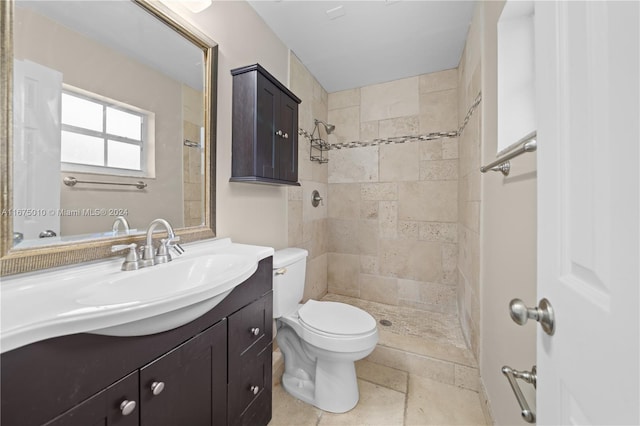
<point>335,318</point>
<point>325,326</point>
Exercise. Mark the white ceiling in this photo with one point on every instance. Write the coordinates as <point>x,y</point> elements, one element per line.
<point>368,42</point>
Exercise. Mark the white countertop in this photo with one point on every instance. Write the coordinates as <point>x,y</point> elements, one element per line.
<point>50,303</point>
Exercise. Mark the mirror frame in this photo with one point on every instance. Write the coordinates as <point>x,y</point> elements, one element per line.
<point>14,261</point>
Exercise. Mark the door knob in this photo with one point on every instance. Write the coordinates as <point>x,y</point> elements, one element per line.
<point>543,313</point>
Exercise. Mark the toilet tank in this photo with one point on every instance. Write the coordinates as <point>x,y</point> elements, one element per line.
<point>289,268</point>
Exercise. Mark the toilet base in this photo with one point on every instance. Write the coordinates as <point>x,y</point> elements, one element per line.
<point>335,389</point>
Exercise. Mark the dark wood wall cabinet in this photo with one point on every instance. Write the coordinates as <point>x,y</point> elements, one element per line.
<point>215,370</point>
<point>264,130</point>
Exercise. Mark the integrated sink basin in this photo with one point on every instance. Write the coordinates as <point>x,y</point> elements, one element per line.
<point>208,277</point>
<point>101,299</point>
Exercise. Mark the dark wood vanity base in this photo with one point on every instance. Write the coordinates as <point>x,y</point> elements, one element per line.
<point>215,370</point>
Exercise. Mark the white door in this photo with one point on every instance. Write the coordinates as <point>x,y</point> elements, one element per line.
<point>36,149</point>
<point>587,77</point>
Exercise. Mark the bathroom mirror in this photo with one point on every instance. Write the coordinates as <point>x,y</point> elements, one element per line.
<point>107,116</point>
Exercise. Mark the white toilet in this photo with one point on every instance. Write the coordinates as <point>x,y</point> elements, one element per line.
<point>320,341</point>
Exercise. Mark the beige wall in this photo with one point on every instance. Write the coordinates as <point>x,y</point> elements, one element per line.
<point>308,224</point>
<point>111,74</point>
<point>508,249</point>
<point>393,207</point>
<point>248,213</point>
<point>497,229</point>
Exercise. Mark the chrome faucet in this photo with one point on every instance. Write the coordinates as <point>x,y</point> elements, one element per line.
<point>116,224</point>
<point>131,261</point>
<point>162,255</point>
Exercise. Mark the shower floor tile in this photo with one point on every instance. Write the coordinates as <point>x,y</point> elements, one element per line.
<point>430,326</point>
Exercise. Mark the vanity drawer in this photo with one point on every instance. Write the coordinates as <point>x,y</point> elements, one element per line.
<point>250,330</point>
<point>250,391</point>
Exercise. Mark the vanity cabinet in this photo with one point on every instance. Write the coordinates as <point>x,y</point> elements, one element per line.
<point>264,129</point>
<point>205,372</point>
<point>106,408</point>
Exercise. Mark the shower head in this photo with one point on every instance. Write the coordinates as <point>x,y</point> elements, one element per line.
<point>328,127</point>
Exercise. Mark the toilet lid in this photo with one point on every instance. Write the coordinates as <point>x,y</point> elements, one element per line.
<point>336,318</point>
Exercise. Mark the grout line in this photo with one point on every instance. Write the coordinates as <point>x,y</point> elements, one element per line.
<point>406,401</point>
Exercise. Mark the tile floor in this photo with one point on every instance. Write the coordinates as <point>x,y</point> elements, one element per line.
<point>423,374</point>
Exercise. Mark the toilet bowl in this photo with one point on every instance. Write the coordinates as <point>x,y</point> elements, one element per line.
<point>320,341</point>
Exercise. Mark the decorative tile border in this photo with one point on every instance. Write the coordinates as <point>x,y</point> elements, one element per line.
<point>403,139</point>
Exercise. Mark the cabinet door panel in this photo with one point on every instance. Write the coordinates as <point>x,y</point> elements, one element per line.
<point>268,105</point>
<point>250,391</point>
<point>287,147</point>
<point>103,409</point>
<point>194,383</point>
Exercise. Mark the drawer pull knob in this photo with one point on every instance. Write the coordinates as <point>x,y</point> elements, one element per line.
<point>255,331</point>
<point>281,271</point>
<point>127,407</point>
<point>157,387</point>
<point>255,389</point>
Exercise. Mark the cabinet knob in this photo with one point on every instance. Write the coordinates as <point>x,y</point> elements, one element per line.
<point>254,389</point>
<point>255,331</point>
<point>157,387</point>
<point>279,133</point>
<point>286,136</point>
<point>127,407</point>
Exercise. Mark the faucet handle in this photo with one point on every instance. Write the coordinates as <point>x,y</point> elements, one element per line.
<point>119,247</point>
<point>131,261</point>
<point>171,243</point>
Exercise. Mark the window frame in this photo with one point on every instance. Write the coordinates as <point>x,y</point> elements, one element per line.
<point>146,142</point>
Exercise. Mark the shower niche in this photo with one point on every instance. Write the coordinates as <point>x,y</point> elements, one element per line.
<point>264,129</point>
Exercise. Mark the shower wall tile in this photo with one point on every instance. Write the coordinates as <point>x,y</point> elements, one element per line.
<point>369,131</point>
<point>344,274</point>
<point>353,165</point>
<point>369,265</point>
<point>394,207</point>
<point>343,236</point>
<point>415,260</point>
<point>439,170</point>
<point>379,191</point>
<point>434,297</point>
<point>345,200</point>
<point>368,237</point>
<point>379,289</point>
<point>439,111</point>
<point>439,231</point>
<point>308,227</point>
<point>449,148</point>
<point>431,150</point>
<point>399,162</point>
<point>369,209</point>
<point>388,219</point>
<point>397,98</point>
<point>344,98</point>
<point>347,122</point>
<point>316,279</point>
<point>431,201</point>
<point>409,230</point>
<point>437,81</point>
<point>295,223</point>
<point>401,126</point>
